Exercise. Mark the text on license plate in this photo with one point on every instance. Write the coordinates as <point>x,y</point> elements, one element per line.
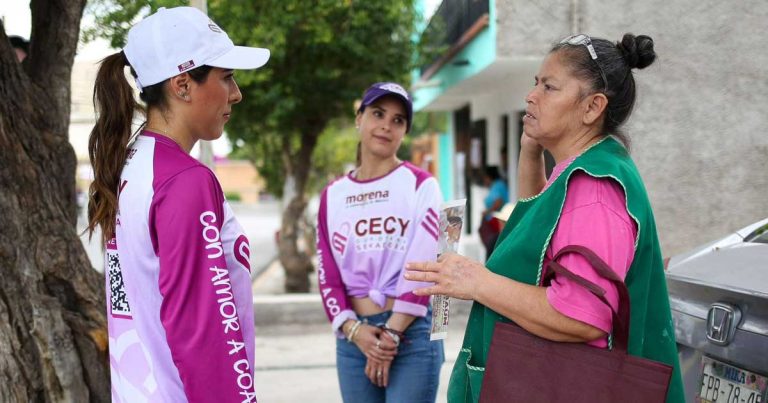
<point>723,383</point>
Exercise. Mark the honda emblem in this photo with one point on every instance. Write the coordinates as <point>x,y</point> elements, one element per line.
<point>722,321</point>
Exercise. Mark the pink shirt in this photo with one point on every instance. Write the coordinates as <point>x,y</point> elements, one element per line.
<point>594,215</point>
<point>367,231</point>
<point>179,300</point>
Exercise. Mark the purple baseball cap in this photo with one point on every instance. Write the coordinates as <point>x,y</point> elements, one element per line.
<point>379,90</point>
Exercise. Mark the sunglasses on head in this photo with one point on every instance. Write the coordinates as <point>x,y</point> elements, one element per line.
<point>581,39</point>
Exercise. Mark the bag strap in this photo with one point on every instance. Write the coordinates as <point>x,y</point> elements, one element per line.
<point>620,317</point>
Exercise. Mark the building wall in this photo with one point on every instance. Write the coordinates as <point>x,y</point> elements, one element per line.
<point>699,126</point>
<point>446,166</point>
<point>699,122</point>
<point>241,178</point>
<point>533,26</point>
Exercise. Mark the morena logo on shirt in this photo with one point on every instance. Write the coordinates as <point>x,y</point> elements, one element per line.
<point>338,242</point>
<point>368,197</point>
<point>243,252</point>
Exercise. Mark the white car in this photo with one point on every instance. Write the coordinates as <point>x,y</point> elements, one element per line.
<point>719,299</point>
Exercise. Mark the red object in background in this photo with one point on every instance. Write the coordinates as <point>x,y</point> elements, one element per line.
<point>497,224</point>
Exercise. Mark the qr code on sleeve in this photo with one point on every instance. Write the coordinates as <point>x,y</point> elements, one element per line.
<point>118,298</point>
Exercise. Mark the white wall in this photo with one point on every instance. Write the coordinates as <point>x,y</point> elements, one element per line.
<point>699,124</point>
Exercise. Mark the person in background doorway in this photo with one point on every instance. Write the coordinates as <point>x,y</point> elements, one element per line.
<point>504,165</point>
<point>498,196</point>
<point>21,46</point>
<point>371,221</point>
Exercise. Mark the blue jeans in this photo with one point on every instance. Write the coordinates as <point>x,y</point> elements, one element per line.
<point>413,376</point>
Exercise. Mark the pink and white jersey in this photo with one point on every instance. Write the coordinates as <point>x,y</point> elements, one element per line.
<point>367,231</point>
<point>179,300</point>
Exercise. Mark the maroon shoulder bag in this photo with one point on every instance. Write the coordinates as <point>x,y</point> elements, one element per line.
<point>522,367</point>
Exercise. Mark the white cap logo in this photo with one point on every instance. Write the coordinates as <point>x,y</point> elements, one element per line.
<point>213,27</point>
<point>396,89</point>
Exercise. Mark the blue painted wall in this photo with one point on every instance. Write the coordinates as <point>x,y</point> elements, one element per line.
<point>480,53</point>
<point>446,152</point>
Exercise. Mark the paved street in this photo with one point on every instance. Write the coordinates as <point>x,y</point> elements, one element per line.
<point>295,350</point>
<point>297,363</point>
<point>260,222</point>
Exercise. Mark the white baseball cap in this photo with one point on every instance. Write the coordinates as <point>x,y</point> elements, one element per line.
<point>175,40</point>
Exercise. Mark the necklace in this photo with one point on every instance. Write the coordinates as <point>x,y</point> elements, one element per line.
<point>152,129</point>
<point>164,133</point>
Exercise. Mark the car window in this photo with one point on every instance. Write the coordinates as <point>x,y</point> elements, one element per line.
<point>759,235</point>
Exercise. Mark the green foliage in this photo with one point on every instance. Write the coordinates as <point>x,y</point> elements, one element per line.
<point>323,57</point>
<point>429,122</point>
<point>233,196</point>
<point>324,53</point>
<point>113,18</point>
<point>334,154</point>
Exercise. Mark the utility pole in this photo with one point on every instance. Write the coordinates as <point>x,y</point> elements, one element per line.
<point>206,148</point>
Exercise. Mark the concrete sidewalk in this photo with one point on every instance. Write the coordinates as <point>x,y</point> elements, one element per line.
<point>296,351</point>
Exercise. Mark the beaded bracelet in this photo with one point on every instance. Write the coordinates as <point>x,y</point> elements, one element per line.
<point>396,335</point>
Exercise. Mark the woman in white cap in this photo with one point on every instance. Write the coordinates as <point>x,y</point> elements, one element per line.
<point>179,302</point>
<point>371,222</point>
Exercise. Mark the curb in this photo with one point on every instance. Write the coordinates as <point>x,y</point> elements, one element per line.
<point>285,309</point>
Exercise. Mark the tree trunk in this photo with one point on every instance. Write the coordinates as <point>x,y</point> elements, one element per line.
<point>53,336</point>
<point>296,263</point>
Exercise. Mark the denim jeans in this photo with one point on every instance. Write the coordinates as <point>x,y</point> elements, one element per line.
<point>413,376</point>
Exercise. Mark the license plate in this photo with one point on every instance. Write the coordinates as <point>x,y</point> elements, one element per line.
<point>723,383</point>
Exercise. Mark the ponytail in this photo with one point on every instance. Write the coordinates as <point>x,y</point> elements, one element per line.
<point>115,105</point>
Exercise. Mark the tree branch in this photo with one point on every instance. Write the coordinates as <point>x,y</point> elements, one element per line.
<point>55,23</point>
<point>10,70</point>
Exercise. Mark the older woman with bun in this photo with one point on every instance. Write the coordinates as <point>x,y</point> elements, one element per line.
<point>582,95</point>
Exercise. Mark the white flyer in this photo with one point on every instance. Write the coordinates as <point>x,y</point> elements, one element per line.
<point>451,223</point>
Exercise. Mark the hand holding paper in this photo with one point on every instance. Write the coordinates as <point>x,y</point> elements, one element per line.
<point>453,275</point>
<point>451,222</point>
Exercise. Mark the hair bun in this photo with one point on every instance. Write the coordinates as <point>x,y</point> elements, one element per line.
<point>637,50</point>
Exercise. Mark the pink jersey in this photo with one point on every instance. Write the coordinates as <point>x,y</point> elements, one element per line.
<point>367,231</point>
<point>594,215</point>
<point>179,301</point>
